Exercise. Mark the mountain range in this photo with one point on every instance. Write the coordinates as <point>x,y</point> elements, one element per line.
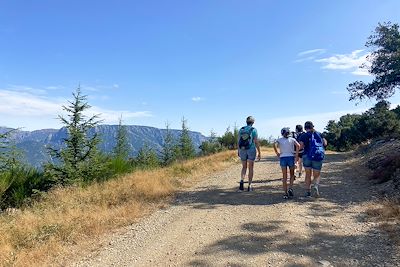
<point>33,143</point>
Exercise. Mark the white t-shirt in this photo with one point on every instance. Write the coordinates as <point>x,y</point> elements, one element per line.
<point>286,146</point>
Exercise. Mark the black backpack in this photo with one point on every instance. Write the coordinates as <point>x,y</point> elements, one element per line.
<point>245,138</point>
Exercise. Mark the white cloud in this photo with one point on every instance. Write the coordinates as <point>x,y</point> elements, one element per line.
<point>16,103</point>
<point>112,116</point>
<point>28,89</point>
<point>309,55</point>
<point>312,51</point>
<point>197,99</point>
<point>352,62</point>
<point>36,111</point>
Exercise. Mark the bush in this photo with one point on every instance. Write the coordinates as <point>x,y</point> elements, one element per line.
<point>18,185</point>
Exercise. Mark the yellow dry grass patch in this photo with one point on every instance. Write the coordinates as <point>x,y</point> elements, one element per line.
<point>46,232</point>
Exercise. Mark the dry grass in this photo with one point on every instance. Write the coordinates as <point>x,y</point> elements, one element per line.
<point>46,232</point>
<point>387,213</point>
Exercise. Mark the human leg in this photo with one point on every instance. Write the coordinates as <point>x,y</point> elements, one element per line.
<point>307,164</point>
<point>250,164</point>
<point>316,173</point>
<point>243,175</point>
<point>284,179</point>
<point>300,169</point>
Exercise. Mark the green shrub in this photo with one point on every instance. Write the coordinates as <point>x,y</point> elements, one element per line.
<point>18,185</point>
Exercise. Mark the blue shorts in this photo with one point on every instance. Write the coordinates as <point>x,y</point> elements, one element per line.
<point>287,162</point>
<point>248,154</point>
<point>311,164</point>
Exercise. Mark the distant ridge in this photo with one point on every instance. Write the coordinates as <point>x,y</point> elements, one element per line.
<point>33,143</point>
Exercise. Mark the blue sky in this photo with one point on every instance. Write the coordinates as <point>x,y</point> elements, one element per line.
<point>213,62</point>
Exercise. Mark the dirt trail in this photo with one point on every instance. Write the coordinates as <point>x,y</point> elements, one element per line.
<point>213,225</point>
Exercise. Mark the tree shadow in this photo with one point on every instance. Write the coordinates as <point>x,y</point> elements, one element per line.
<point>339,250</point>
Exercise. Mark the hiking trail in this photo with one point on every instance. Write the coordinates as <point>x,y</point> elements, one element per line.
<point>212,224</point>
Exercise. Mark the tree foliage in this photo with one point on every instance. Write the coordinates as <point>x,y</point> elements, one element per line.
<point>353,129</point>
<point>9,154</point>
<point>385,65</point>
<point>168,153</point>
<point>147,158</point>
<point>212,145</point>
<point>79,159</point>
<point>185,147</point>
<point>121,149</point>
<point>230,138</point>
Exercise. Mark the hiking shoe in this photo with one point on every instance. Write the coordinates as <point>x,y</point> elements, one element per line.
<point>241,187</point>
<point>285,196</point>
<point>315,191</point>
<point>308,194</point>
<point>290,193</point>
<point>250,188</point>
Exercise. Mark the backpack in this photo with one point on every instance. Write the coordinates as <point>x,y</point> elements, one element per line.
<point>245,138</point>
<point>316,151</point>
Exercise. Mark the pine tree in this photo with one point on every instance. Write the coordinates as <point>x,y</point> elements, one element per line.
<point>147,158</point>
<point>78,160</point>
<point>187,150</point>
<point>10,155</point>
<point>121,149</point>
<point>168,153</point>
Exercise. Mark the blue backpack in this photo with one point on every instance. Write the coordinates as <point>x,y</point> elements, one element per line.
<point>245,138</point>
<point>317,150</point>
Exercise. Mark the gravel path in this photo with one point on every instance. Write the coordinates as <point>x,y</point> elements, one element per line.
<point>213,225</point>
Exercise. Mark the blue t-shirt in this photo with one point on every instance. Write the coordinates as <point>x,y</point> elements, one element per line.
<point>306,139</point>
<point>253,135</point>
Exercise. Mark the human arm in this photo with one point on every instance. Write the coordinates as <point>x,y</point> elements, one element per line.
<point>297,145</point>
<point>257,143</point>
<point>276,149</point>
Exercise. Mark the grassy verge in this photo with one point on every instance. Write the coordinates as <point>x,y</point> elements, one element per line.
<point>387,214</point>
<point>44,232</point>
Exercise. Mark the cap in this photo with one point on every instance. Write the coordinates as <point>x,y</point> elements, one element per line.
<point>250,119</point>
<point>285,131</point>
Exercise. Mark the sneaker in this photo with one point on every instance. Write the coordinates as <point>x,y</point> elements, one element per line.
<point>241,187</point>
<point>315,191</point>
<point>285,196</point>
<point>308,194</point>
<point>250,188</point>
<point>290,192</point>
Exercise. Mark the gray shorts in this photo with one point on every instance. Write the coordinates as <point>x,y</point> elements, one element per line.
<point>248,154</point>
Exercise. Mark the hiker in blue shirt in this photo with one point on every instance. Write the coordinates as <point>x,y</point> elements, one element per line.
<point>314,152</point>
<point>247,145</point>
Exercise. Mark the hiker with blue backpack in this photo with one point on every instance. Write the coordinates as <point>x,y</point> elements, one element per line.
<point>314,153</point>
<point>287,156</point>
<point>248,146</point>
